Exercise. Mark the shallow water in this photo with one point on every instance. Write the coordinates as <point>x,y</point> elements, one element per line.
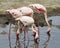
<point>50,40</point>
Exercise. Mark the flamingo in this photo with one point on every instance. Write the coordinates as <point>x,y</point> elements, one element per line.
<point>41,9</point>
<point>15,14</point>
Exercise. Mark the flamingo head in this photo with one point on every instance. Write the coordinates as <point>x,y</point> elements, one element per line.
<point>6,11</point>
<point>30,5</point>
<point>15,13</point>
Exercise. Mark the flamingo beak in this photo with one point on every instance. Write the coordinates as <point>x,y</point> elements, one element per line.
<point>30,6</point>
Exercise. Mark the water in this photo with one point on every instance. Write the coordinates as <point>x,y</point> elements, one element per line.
<point>50,40</point>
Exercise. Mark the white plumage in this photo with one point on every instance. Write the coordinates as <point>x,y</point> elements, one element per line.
<point>26,11</point>
<point>26,20</point>
<point>38,6</point>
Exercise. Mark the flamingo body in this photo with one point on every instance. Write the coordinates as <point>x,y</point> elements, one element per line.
<point>26,20</point>
<point>38,7</point>
<point>26,11</point>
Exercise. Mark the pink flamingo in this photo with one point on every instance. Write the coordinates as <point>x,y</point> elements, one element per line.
<point>15,14</point>
<point>41,9</point>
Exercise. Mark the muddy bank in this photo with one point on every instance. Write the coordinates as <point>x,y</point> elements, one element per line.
<point>53,11</point>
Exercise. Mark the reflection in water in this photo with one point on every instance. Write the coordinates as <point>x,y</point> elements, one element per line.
<point>36,45</point>
<point>46,42</point>
<point>17,43</point>
<point>26,45</point>
<point>30,44</point>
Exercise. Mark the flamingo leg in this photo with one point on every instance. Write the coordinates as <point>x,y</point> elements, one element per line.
<point>38,29</point>
<point>28,39</point>
<point>25,30</point>
<point>17,34</point>
<point>18,30</point>
<point>9,33</point>
<point>38,33</point>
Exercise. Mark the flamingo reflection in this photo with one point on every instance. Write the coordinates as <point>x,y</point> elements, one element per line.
<point>17,43</point>
<point>47,41</point>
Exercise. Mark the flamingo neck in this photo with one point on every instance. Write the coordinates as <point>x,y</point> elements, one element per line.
<point>35,30</point>
<point>45,14</point>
